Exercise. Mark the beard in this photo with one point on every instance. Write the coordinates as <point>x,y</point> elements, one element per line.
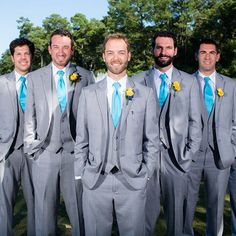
<point>118,69</point>
<point>163,63</point>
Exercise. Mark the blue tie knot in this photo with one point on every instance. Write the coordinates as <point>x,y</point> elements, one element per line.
<point>22,79</point>
<point>61,73</point>
<point>163,77</point>
<point>207,79</point>
<point>116,85</point>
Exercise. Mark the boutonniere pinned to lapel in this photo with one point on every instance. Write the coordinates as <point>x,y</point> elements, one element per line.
<point>74,77</point>
<point>129,94</point>
<point>176,86</point>
<point>220,92</point>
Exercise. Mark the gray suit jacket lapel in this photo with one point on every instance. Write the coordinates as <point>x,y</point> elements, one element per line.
<point>12,90</point>
<point>150,82</point>
<point>70,88</point>
<point>127,103</point>
<point>204,112</point>
<point>220,83</point>
<point>101,93</point>
<point>175,77</point>
<point>47,79</point>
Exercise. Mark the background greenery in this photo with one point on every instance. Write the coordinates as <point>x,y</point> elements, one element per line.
<point>139,20</point>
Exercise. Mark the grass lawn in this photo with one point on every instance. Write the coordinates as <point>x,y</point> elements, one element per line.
<point>64,226</point>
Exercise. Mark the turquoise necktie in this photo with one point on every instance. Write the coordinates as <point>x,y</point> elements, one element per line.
<point>61,90</point>
<point>22,93</point>
<point>163,89</point>
<point>116,104</point>
<point>208,95</point>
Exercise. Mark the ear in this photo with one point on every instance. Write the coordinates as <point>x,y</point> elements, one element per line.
<point>176,51</point>
<point>103,57</point>
<point>196,56</point>
<point>49,49</point>
<point>217,57</point>
<point>12,59</point>
<point>129,56</point>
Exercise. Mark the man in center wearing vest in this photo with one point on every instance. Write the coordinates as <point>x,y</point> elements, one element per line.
<point>116,146</point>
<point>50,123</point>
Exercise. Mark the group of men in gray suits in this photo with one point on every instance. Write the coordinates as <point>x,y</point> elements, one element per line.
<point>128,143</point>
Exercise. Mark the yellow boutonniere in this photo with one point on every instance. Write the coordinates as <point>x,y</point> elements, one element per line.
<point>176,86</point>
<point>220,92</point>
<point>74,76</point>
<point>129,93</point>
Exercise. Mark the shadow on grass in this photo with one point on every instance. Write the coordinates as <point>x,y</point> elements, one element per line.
<point>64,226</point>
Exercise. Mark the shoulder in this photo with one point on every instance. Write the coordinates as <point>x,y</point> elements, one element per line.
<point>141,75</point>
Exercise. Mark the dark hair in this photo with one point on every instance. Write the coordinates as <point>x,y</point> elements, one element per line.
<point>166,34</point>
<point>62,32</point>
<point>207,41</point>
<point>19,42</point>
<point>115,36</point>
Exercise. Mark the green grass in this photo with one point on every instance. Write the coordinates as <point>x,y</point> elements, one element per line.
<point>64,227</point>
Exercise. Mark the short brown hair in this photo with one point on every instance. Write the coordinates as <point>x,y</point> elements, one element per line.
<point>115,36</point>
<point>62,32</point>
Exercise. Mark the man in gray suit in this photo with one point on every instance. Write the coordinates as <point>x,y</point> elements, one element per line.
<point>50,126</point>
<point>14,166</point>
<point>217,149</point>
<point>116,146</point>
<point>178,101</point>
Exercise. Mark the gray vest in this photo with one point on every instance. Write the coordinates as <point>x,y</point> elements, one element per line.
<point>164,123</point>
<point>207,134</point>
<point>20,128</point>
<point>59,135</point>
<point>112,148</point>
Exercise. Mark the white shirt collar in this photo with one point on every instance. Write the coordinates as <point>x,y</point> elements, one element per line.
<point>168,73</point>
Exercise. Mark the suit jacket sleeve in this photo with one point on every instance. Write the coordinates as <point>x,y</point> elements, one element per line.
<point>81,144</point>
<point>151,134</point>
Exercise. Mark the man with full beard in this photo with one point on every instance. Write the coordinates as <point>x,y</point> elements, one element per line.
<point>178,102</point>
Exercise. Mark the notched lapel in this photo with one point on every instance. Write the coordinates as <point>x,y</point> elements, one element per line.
<point>47,79</point>
<point>127,103</point>
<point>102,99</point>
<point>11,84</point>
<point>70,87</point>
<point>220,83</point>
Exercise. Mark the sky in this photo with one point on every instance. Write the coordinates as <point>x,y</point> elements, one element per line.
<point>37,10</point>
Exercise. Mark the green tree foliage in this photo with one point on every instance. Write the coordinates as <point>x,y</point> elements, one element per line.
<point>139,20</point>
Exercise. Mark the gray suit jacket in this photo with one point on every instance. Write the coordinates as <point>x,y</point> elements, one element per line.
<point>184,126</point>
<point>38,111</point>
<point>137,140</point>
<point>224,119</point>
<point>8,116</point>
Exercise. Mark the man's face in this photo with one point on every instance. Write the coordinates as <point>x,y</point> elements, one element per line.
<point>207,57</point>
<point>22,59</point>
<point>116,57</point>
<point>60,50</point>
<point>164,52</point>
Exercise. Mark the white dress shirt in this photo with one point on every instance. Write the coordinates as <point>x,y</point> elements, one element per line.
<point>212,81</point>
<point>158,80</point>
<point>111,89</point>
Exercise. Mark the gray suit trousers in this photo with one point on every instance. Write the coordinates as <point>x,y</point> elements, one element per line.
<point>232,192</point>
<point>215,183</point>
<point>53,173</point>
<point>113,195</point>
<point>17,168</point>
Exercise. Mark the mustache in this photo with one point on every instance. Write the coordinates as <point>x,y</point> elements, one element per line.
<point>163,55</point>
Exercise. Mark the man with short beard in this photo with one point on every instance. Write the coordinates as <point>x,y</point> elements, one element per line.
<point>178,102</point>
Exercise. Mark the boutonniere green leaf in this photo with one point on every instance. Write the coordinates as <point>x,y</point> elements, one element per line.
<point>74,77</point>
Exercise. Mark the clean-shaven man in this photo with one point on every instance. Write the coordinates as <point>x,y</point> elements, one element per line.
<point>217,149</point>
<point>50,127</point>
<point>116,146</point>
<point>178,102</point>
<point>14,165</point>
